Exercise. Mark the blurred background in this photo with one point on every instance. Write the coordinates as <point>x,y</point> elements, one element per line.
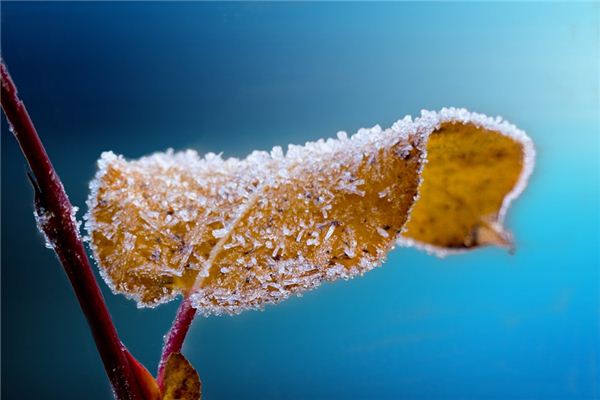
<point>233,77</point>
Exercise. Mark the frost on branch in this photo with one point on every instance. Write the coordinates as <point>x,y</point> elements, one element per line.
<point>237,234</point>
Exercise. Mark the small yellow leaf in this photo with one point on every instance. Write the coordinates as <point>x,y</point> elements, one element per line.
<point>181,380</point>
<point>236,234</point>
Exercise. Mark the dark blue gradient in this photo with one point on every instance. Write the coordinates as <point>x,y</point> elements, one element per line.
<point>233,77</point>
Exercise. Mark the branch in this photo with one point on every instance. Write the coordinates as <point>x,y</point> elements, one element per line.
<point>176,335</point>
<point>56,219</point>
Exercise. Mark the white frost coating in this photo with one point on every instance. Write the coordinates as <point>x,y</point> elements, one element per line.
<point>430,121</point>
<point>76,222</point>
<point>42,218</point>
<point>276,166</point>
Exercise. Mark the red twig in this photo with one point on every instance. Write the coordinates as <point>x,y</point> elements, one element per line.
<point>176,335</point>
<point>57,222</point>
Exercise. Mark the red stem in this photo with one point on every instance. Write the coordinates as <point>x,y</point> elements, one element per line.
<point>176,335</point>
<point>61,231</point>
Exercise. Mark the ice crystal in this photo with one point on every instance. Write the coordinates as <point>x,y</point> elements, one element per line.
<point>42,219</point>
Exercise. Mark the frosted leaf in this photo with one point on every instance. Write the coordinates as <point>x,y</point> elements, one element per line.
<point>458,211</point>
<point>237,234</point>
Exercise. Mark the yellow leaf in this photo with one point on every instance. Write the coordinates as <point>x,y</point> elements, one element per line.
<point>471,175</point>
<point>181,380</point>
<point>237,234</point>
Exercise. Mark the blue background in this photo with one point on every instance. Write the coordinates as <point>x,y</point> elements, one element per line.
<point>233,77</point>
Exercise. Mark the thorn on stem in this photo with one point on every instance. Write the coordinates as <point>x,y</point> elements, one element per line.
<point>36,188</point>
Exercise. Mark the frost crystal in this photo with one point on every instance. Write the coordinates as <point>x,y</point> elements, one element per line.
<point>383,232</point>
<point>219,233</point>
<point>329,232</point>
<point>42,218</point>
